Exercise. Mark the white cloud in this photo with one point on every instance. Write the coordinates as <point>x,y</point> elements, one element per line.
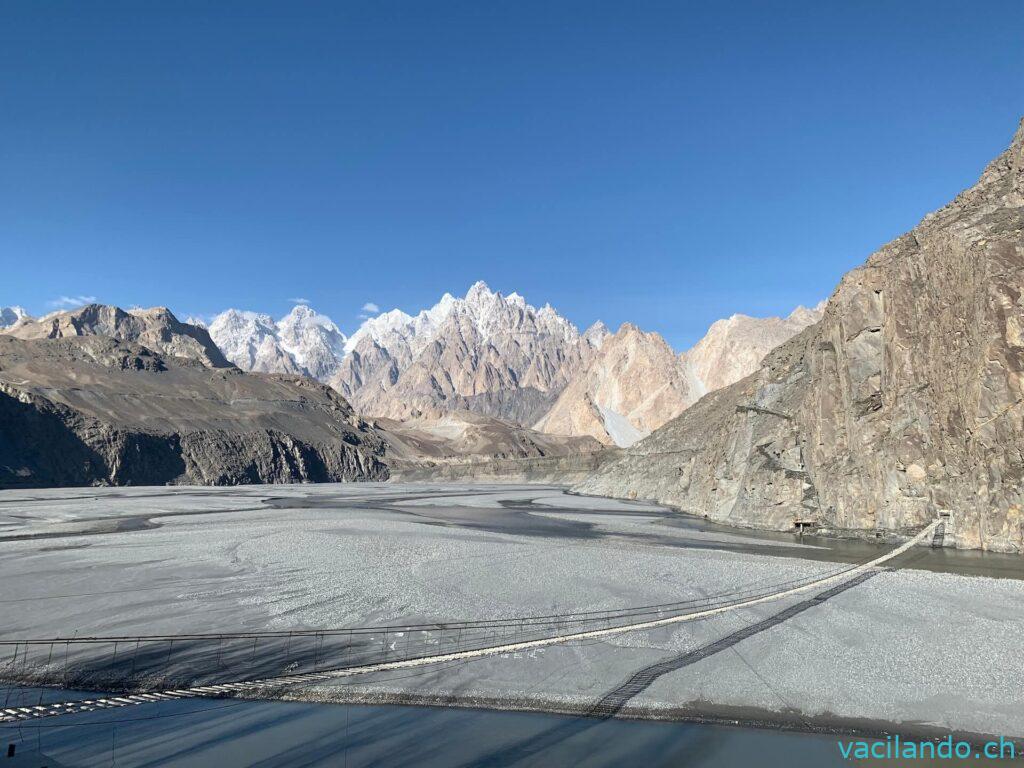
<point>68,302</point>
<point>370,309</point>
<point>299,301</point>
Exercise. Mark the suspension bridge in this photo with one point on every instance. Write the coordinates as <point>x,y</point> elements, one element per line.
<point>145,669</point>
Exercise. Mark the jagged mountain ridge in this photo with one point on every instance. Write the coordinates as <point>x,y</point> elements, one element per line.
<point>902,402</point>
<point>486,353</point>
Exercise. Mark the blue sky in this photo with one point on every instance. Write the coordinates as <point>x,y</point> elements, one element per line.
<point>664,163</point>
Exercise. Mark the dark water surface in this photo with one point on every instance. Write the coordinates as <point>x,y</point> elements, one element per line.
<point>524,517</point>
<point>226,734</point>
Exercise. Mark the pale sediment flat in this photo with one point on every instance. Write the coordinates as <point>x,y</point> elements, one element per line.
<point>908,646</point>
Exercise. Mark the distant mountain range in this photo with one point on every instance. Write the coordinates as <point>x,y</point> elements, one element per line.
<point>485,353</point>
<point>499,356</point>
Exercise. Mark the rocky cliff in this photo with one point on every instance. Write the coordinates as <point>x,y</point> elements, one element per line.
<point>88,410</point>
<point>905,400</point>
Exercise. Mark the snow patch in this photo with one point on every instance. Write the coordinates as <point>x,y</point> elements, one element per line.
<point>619,428</point>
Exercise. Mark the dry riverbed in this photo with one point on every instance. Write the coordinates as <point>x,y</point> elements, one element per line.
<point>910,646</point>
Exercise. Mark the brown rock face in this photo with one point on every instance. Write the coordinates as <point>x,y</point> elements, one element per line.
<point>734,348</point>
<point>156,328</point>
<point>92,410</point>
<point>904,400</point>
<point>632,385</point>
<point>632,382</point>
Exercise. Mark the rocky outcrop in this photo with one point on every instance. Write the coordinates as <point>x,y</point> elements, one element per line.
<point>734,347</point>
<point>157,329</point>
<point>904,401</point>
<point>632,385</point>
<point>88,410</point>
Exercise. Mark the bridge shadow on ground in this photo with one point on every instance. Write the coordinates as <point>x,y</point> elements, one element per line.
<point>612,702</point>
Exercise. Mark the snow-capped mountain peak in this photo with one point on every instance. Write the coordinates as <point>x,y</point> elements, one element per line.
<point>596,334</point>
<point>398,327</point>
<point>516,300</point>
<point>249,340</point>
<point>11,315</point>
<point>479,292</point>
<point>303,317</point>
<point>314,342</point>
<point>302,342</point>
<point>485,310</point>
<point>488,310</point>
<point>379,327</point>
<point>243,319</point>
